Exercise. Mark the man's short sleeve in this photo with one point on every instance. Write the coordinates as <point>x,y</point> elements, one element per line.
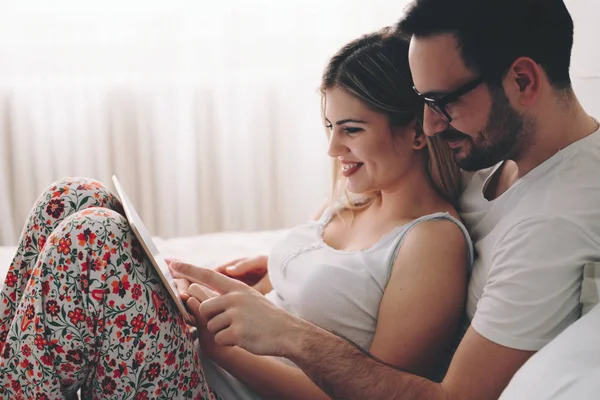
<point>534,284</point>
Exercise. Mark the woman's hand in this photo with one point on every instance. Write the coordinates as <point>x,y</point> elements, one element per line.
<point>250,270</point>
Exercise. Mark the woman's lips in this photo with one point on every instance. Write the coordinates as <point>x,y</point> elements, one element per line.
<point>349,169</point>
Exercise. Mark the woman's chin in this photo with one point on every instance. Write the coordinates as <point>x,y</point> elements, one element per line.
<point>352,189</point>
<point>357,189</point>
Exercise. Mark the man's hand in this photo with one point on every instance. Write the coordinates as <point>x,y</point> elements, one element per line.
<point>250,270</point>
<point>181,283</point>
<point>182,287</point>
<point>241,316</point>
<point>197,295</point>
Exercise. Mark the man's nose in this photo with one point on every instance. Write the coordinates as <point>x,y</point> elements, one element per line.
<point>433,123</point>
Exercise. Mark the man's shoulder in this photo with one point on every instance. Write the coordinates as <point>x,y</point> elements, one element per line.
<point>566,186</point>
<point>569,189</point>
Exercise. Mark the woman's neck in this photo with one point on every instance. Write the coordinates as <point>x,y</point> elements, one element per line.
<point>413,196</point>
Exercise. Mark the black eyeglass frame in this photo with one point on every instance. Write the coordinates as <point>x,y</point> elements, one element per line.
<point>439,105</point>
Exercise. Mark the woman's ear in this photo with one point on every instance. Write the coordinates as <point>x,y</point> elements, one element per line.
<point>419,143</point>
<point>419,138</point>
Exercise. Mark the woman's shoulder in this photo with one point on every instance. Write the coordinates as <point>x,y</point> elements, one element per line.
<point>436,225</point>
<point>439,232</point>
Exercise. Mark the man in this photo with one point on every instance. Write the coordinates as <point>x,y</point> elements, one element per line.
<point>494,76</point>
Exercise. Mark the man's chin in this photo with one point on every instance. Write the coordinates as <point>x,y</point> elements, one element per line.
<point>468,167</point>
<point>472,163</point>
<point>460,157</point>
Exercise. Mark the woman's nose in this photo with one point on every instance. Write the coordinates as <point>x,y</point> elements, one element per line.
<point>336,145</point>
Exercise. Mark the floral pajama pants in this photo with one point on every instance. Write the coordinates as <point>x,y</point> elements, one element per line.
<point>82,308</point>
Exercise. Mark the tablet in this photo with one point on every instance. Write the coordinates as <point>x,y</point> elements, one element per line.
<point>158,261</point>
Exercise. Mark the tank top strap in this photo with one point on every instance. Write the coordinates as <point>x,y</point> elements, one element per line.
<point>432,217</point>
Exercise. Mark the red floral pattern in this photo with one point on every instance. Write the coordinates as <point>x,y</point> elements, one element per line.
<point>82,308</point>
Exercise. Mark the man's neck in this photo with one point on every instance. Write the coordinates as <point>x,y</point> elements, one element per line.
<point>564,125</point>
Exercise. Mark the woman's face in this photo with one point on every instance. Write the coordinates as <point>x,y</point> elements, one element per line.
<point>373,156</point>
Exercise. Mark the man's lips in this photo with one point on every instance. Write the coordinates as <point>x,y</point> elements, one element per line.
<point>454,143</point>
<point>453,139</point>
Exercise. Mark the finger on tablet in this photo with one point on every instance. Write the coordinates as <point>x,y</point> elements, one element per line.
<point>182,287</point>
<point>201,292</point>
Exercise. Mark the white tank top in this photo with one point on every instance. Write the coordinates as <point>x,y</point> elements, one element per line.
<point>336,289</point>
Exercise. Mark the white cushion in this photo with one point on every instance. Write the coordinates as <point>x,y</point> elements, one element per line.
<point>567,368</point>
<point>590,287</point>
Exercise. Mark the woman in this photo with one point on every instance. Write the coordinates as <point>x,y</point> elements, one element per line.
<point>386,265</point>
<point>82,307</point>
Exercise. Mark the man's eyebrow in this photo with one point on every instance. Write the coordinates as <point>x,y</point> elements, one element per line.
<point>434,94</point>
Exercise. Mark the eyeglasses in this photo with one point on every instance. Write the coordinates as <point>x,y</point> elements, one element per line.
<point>439,104</point>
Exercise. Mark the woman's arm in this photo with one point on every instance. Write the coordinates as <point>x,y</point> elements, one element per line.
<point>424,300</point>
<point>269,377</point>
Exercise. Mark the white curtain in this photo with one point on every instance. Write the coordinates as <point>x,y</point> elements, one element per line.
<point>207,111</point>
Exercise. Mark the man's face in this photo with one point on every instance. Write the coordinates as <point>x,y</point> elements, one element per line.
<point>485,129</point>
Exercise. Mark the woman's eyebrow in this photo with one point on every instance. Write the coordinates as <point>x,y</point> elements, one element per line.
<point>356,121</point>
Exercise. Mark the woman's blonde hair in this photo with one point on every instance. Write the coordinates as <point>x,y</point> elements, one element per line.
<point>374,68</point>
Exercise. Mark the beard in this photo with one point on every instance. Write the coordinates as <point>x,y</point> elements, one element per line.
<point>505,135</point>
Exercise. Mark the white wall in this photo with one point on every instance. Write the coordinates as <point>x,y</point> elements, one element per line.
<point>585,67</point>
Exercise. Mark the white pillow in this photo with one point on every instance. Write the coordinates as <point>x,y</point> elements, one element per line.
<point>568,368</point>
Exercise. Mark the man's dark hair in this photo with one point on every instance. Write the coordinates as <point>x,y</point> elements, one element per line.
<point>492,34</point>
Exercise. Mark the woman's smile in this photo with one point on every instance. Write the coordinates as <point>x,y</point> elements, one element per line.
<point>349,169</point>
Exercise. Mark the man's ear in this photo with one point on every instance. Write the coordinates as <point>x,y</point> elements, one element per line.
<point>523,81</point>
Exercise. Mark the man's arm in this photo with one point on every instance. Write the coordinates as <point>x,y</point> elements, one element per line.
<point>350,373</point>
<point>480,369</point>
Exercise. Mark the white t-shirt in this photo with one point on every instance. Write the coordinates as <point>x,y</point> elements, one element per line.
<point>531,244</point>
